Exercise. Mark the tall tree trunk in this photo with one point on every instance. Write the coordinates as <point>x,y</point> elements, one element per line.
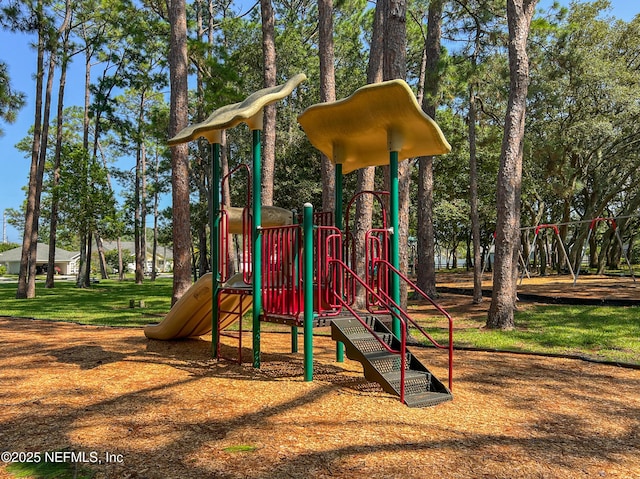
<point>366,176</point>
<point>143,211</point>
<point>84,179</point>
<point>327,93</point>
<point>395,66</point>
<point>121,265</point>
<point>53,223</point>
<point>26,278</point>
<point>141,214</point>
<point>178,72</point>
<point>505,276</point>
<point>102,260</point>
<point>87,271</point>
<point>473,173</point>
<point>137,219</point>
<point>269,79</point>
<point>426,276</point>
<point>473,199</point>
<point>42,160</point>
<point>156,214</point>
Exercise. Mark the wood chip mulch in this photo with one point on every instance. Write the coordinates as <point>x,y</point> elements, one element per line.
<point>169,411</point>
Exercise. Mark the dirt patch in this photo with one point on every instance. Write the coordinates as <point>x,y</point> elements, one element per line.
<point>588,286</point>
<point>169,411</point>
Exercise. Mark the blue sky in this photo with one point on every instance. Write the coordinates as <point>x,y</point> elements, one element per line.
<point>20,58</point>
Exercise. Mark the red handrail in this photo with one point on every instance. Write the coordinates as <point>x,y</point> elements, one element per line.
<point>403,325</point>
<point>350,240</point>
<point>328,246</point>
<point>338,299</point>
<point>553,227</point>
<point>377,195</point>
<point>227,177</point>
<point>376,248</point>
<point>247,245</point>
<point>223,246</point>
<point>393,304</point>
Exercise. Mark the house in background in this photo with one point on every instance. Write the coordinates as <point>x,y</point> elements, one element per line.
<point>164,255</point>
<point>66,262</point>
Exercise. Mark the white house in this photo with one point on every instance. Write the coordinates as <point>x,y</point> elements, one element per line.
<point>164,255</point>
<point>66,262</point>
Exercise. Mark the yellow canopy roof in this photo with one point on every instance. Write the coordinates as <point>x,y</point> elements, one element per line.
<point>248,111</point>
<point>362,129</point>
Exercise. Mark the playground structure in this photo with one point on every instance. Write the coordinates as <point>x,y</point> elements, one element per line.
<point>592,225</point>
<point>302,275</point>
<point>533,246</point>
<point>573,268</point>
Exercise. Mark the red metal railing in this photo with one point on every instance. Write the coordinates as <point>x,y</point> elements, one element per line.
<point>376,249</point>
<point>341,269</point>
<point>223,246</point>
<point>350,250</point>
<point>385,265</point>
<point>238,309</point>
<point>333,272</point>
<point>247,245</point>
<point>225,243</point>
<point>379,195</point>
<point>226,240</point>
<point>282,270</point>
<point>228,176</point>
<point>329,284</point>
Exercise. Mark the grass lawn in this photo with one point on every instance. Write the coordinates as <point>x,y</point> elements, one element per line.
<point>105,303</point>
<point>604,333</point>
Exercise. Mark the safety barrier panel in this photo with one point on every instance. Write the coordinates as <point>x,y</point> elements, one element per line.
<point>282,292</point>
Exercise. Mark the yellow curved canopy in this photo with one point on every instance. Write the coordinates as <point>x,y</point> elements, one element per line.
<point>362,129</point>
<point>248,111</point>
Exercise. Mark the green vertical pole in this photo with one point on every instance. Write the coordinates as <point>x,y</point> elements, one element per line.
<point>214,208</point>
<point>257,247</point>
<point>294,339</point>
<point>307,226</point>
<point>339,224</point>
<point>394,202</point>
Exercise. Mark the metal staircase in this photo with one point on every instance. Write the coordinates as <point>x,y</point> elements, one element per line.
<point>370,342</point>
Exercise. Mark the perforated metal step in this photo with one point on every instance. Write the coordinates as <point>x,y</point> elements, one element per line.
<point>382,363</point>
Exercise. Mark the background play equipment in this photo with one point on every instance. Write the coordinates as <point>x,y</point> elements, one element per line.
<point>612,223</point>
<point>301,275</point>
<point>532,249</point>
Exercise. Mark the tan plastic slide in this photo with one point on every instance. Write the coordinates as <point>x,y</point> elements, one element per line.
<point>271,216</point>
<point>191,315</point>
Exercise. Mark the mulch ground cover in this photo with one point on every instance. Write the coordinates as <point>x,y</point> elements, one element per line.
<point>150,409</point>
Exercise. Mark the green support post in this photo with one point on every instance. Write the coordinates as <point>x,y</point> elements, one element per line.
<point>214,218</point>
<point>394,202</point>
<point>294,339</point>
<point>307,226</point>
<point>257,248</point>
<point>339,224</point>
